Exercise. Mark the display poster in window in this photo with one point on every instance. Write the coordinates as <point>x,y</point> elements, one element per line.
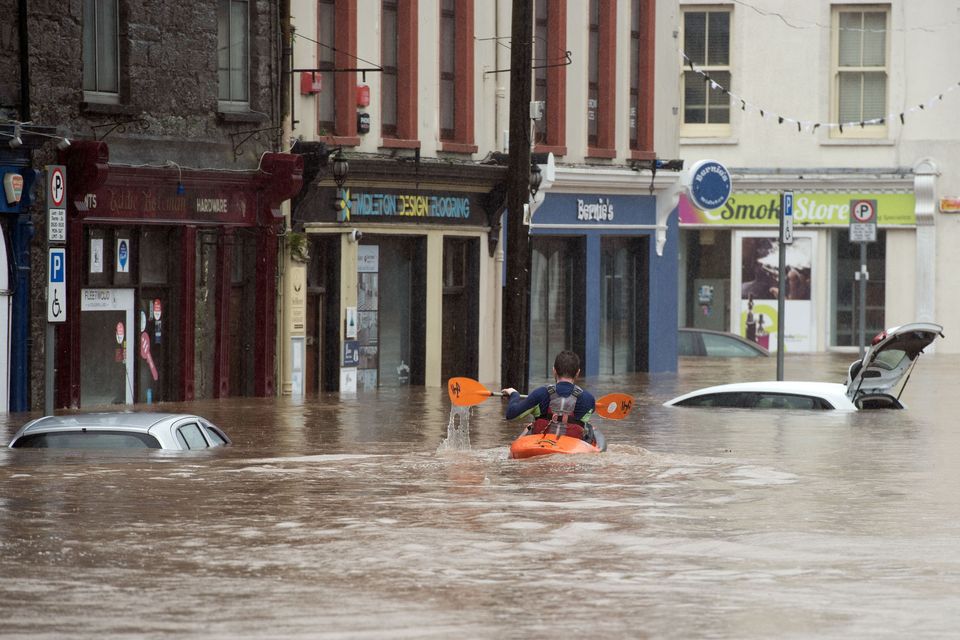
<point>96,255</point>
<point>756,274</point>
<point>367,316</point>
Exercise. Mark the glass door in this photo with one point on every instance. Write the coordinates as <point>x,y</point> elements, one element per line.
<point>623,326</point>
<point>556,302</point>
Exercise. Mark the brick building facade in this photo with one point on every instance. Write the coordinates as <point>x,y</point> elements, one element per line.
<point>174,114</point>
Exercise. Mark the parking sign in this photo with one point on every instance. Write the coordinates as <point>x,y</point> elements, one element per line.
<point>57,285</point>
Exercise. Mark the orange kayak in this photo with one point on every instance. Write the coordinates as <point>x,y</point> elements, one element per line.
<point>528,446</point>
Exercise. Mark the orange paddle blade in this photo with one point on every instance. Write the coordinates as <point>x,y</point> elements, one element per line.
<point>614,406</point>
<point>466,392</point>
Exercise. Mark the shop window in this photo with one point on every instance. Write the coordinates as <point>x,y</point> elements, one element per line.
<point>456,76</point>
<point>336,49</point>
<point>154,251</point>
<point>706,42</point>
<point>460,334</point>
<point>99,259</point>
<point>549,57</point>
<point>860,71</point>
<point>641,78</point>
<point>101,51</point>
<point>601,67</point>
<point>233,54</point>
<point>846,289</point>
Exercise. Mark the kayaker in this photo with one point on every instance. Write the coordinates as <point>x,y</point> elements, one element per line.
<point>563,407</point>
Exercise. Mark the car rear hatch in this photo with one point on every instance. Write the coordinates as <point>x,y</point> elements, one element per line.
<point>889,360</point>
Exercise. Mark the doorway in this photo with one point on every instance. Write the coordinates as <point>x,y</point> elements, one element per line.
<point>624,321</point>
<point>461,302</point>
<point>557,292</point>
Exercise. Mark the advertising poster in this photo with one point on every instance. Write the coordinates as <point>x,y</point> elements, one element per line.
<point>759,275</point>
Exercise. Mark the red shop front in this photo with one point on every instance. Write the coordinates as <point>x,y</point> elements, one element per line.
<point>171,279</point>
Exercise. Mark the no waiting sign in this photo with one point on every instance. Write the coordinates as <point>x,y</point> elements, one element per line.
<point>863,221</point>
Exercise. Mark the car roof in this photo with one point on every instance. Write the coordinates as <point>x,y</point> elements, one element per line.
<point>140,421</point>
<point>727,334</point>
<point>833,392</point>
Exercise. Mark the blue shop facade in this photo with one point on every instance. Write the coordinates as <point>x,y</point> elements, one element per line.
<point>16,233</point>
<point>599,287</point>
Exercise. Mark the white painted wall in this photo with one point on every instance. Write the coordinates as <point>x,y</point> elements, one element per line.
<point>786,71</point>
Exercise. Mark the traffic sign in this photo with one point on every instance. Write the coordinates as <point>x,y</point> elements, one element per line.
<point>57,186</point>
<point>57,285</point>
<point>786,235</point>
<point>863,221</point>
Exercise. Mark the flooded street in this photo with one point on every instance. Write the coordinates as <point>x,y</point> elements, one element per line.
<point>355,517</point>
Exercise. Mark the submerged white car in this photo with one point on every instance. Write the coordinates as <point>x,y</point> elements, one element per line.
<point>120,430</point>
<point>871,382</point>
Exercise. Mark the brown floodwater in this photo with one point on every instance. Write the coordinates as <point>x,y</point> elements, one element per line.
<point>367,517</point>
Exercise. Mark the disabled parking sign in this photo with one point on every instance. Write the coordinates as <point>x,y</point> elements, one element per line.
<point>57,285</point>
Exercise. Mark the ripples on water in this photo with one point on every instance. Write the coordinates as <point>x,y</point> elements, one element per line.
<point>386,516</point>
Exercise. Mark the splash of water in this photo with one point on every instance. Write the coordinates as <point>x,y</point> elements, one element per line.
<point>458,430</point>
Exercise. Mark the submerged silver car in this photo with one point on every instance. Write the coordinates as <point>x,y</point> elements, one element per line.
<point>120,430</point>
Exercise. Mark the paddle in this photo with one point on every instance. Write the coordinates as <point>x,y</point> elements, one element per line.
<point>466,392</point>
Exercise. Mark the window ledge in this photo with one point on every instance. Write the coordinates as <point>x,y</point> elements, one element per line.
<point>399,143</point>
<point>597,152</point>
<point>109,108</point>
<point>709,141</point>
<point>637,154</point>
<point>556,150</point>
<point>857,142</point>
<point>457,147</point>
<point>253,117</point>
<point>341,141</point>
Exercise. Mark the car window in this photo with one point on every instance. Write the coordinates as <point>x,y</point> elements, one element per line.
<point>191,437</point>
<point>729,399</point>
<point>724,346</point>
<point>786,401</point>
<point>87,440</point>
<point>688,343</point>
<point>217,439</point>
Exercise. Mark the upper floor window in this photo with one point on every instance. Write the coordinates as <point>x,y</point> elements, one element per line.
<point>641,77</point>
<point>388,60</point>
<point>398,58</point>
<point>601,90</point>
<point>860,69</point>
<point>336,51</point>
<point>327,32</point>
<point>550,74</point>
<point>706,42</point>
<point>456,76</point>
<point>448,68</point>
<point>233,54</point>
<point>101,52</point>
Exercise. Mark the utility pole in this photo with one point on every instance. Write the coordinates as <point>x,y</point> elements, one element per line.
<point>516,295</point>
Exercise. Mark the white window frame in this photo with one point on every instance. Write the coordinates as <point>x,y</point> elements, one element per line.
<point>708,130</point>
<point>233,105</point>
<point>869,131</point>
<point>91,22</point>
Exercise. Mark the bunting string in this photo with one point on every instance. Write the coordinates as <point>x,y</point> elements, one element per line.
<point>812,126</point>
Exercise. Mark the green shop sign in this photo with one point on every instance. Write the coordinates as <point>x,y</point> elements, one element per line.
<point>809,209</point>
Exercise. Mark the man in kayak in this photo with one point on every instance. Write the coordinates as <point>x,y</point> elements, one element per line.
<point>562,408</point>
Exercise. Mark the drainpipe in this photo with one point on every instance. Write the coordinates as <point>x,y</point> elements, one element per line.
<point>24,62</point>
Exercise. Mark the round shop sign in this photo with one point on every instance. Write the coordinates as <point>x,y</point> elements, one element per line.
<point>710,185</point>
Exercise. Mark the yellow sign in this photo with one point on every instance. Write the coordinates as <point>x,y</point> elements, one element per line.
<point>809,209</point>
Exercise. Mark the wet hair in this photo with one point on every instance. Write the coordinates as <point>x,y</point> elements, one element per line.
<point>567,364</point>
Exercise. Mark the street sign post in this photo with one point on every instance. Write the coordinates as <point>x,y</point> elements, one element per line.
<point>786,238</point>
<point>863,229</point>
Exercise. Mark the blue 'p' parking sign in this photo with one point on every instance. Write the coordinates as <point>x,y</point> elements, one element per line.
<point>57,285</point>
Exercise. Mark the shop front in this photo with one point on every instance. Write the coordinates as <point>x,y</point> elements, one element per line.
<point>598,286</point>
<point>730,273</point>
<point>402,279</point>
<point>171,279</point>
